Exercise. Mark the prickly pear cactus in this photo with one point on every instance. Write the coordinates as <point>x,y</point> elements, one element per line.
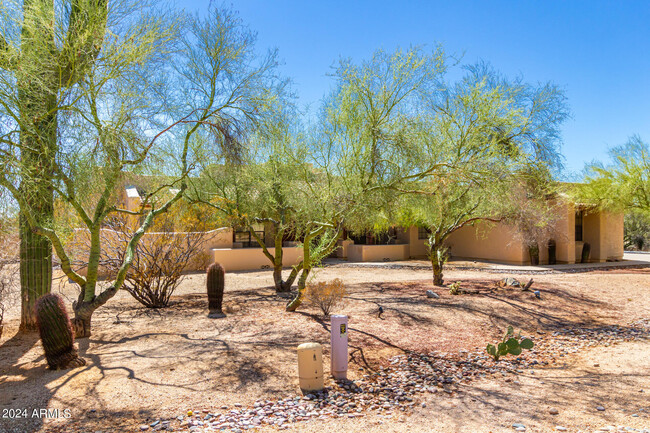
<point>56,333</point>
<point>511,344</point>
<point>215,285</point>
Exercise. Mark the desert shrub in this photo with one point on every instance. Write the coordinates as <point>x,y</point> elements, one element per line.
<point>637,231</point>
<point>9,247</point>
<point>158,262</point>
<point>326,295</point>
<point>454,288</point>
<point>8,287</point>
<point>4,295</point>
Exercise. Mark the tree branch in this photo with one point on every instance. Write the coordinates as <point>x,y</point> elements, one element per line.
<point>8,55</point>
<point>86,28</point>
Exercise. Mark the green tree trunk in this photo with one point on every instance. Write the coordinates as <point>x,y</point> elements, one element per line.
<point>302,285</point>
<point>438,256</point>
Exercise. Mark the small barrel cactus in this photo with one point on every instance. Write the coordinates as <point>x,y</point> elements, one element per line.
<point>215,283</point>
<point>56,333</point>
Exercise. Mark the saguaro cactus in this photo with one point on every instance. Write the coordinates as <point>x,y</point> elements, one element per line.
<point>56,333</point>
<point>215,283</point>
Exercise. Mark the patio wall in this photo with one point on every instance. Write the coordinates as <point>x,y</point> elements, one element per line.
<point>245,259</point>
<point>378,253</point>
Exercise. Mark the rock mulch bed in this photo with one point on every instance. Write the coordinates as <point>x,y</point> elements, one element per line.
<point>390,392</point>
<point>572,340</point>
<point>480,267</point>
<point>394,390</point>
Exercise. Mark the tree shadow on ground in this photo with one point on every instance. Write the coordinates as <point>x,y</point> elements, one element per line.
<point>18,367</point>
<point>558,307</point>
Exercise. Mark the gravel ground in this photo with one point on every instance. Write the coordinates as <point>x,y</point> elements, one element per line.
<point>421,367</point>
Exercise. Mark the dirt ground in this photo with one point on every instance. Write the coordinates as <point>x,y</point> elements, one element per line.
<point>146,364</point>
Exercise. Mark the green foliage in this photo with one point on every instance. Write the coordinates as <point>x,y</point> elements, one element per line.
<point>636,231</point>
<point>533,207</point>
<point>215,284</point>
<point>139,92</point>
<point>623,184</point>
<point>56,332</point>
<point>511,344</point>
<point>454,288</point>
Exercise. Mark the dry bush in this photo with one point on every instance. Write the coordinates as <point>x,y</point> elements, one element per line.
<point>326,295</point>
<point>9,259</point>
<point>158,262</point>
<point>7,285</point>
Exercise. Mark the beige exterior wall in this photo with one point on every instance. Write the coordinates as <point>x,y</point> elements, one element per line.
<point>604,233</point>
<point>488,242</point>
<point>219,238</point>
<point>246,259</point>
<point>613,236</point>
<point>342,249</point>
<point>499,242</point>
<point>418,247</point>
<point>491,242</point>
<point>378,253</point>
<point>565,236</point>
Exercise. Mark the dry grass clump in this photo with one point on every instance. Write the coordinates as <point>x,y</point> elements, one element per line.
<point>326,295</point>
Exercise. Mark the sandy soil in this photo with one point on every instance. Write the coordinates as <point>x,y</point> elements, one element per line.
<point>149,364</point>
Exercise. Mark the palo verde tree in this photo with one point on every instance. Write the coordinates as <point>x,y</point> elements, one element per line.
<point>142,102</point>
<point>363,124</point>
<point>484,131</point>
<point>322,205</point>
<point>46,49</point>
<point>624,183</point>
<point>440,150</point>
<point>285,185</point>
<point>258,190</point>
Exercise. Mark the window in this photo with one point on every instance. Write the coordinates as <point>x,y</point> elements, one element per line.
<point>247,240</point>
<point>579,216</point>
<point>369,238</point>
<point>423,233</point>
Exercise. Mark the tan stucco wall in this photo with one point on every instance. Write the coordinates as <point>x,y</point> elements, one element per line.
<point>244,259</point>
<point>342,248</point>
<point>78,246</point>
<point>418,247</point>
<point>592,233</point>
<point>604,232</point>
<point>377,253</point>
<point>488,242</point>
<point>613,236</point>
<point>565,235</point>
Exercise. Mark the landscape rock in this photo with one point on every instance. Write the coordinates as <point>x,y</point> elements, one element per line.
<point>509,282</point>
<point>394,390</point>
<point>432,294</point>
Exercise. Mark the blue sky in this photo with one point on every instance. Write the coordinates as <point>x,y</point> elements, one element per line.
<point>598,51</point>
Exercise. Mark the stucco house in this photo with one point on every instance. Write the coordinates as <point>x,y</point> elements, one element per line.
<point>575,227</point>
<point>499,242</point>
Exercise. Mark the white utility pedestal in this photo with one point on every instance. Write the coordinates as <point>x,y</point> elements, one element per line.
<point>339,337</point>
